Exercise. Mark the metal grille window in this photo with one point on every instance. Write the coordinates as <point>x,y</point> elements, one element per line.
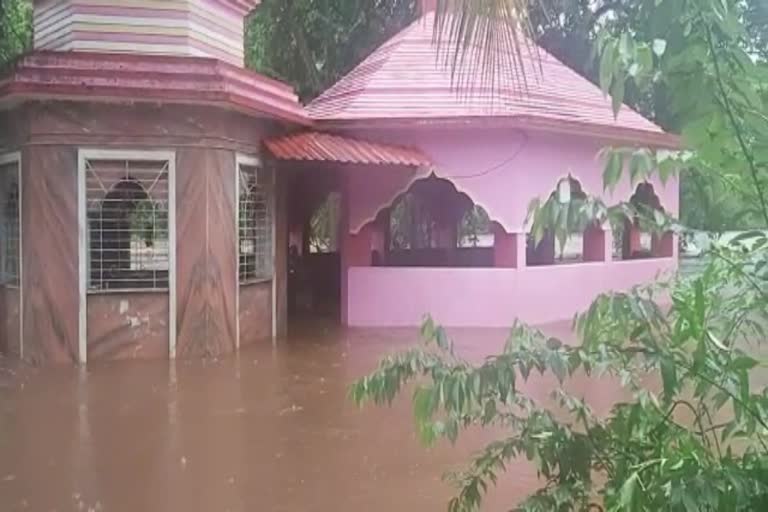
<point>127,209</point>
<point>255,223</point>
<point>10,224</point>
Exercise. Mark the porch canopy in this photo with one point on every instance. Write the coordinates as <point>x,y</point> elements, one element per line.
<point>312,146</point>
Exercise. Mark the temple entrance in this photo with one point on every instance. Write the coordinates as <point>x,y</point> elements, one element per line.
<point>314,246</point>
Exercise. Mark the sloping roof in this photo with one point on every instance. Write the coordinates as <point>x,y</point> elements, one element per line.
<point>324,147</point>
<point>405,79</point>
<point>244,6</point>
<point>149,78</point>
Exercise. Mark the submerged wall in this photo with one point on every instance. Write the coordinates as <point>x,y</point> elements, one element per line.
<point>488,297</point>
<point>10,321</point>
<point>255,312</point>
<point>204,142</point>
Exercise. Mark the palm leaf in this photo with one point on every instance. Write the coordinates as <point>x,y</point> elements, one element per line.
<point>489,39</point>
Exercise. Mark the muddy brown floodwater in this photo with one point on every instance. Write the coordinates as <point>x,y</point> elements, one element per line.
<point>269,429</point>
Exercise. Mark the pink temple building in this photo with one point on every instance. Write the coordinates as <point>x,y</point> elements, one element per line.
<point>160,200</point>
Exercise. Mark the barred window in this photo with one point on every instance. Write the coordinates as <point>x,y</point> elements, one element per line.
<point>127,208</point>
<point>10,248</point>
<point>255,223</point>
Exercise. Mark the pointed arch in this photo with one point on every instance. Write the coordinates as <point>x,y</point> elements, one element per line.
<point>583,242</point>
<point>632,242</point>
<point>433,224</point>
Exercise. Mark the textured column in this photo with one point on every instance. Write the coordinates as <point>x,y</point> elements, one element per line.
<point>50,254</point>
<point>206,252</point>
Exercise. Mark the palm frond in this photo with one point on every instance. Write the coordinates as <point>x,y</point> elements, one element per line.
<point>487,42</point>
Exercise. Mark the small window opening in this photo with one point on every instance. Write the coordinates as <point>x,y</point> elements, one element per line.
<point>128,224</point>
<point>549,251</point>
<point>10,224</point>
<point>324,226</point>
<point>255,224</point>
<point>632,242</point>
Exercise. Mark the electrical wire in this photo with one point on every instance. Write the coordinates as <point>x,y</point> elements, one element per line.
<point>496,167</point>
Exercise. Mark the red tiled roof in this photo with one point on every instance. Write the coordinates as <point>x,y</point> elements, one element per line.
<point>324,147</point>
<point>405,80</point>
<point>151,78</point>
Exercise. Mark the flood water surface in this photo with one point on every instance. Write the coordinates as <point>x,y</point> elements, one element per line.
<point>269,429</point>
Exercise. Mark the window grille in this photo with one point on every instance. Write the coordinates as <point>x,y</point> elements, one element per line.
<point>255,224</point>
<point>10,223</point>
<point>127,208</point>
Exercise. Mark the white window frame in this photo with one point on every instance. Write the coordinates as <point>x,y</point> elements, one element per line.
<point>9,158</point>
<point>83,156</point>
<point>254,161</point>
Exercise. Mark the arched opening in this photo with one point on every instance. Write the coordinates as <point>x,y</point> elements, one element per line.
<point>633,241</point>
<point>324,226</point>
<point>434,225</point>
<point>582,241</point>
<point>128,239</point>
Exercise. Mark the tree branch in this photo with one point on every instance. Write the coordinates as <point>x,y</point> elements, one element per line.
<point>734,123</point>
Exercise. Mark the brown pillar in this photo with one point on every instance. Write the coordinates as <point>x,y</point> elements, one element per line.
<point>384,226</point>
<point>543,253</point>
<point>355,250</point>
<point>663,246</point>
<point>306,234</point>
<point>281,252</point>
<point>206,252</point>
<point>358,247</point>
<point>595,245</point>
<point>50,277</point>
<point>506,248</point>
<point>632,240</point>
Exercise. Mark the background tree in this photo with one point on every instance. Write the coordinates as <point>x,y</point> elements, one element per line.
<point>312,43</point>
<point>15,29</point>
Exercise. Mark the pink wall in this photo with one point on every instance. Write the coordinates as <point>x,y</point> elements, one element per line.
<point>500,169</point>
<point>487,297</point>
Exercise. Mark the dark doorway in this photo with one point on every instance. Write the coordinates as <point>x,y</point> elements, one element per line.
<point>314,246</point>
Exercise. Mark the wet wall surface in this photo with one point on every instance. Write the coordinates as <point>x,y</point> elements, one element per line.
<point>270,429</point>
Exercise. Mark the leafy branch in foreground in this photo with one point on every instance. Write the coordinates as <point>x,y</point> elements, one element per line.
<point>692,433</point>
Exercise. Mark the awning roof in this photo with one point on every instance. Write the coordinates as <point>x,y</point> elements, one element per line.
<point>326,147</point>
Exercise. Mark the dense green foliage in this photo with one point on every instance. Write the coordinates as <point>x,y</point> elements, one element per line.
<point>692,433</point>
<point>697,444</point>
<point>312,43</point>
<point>15,29</point>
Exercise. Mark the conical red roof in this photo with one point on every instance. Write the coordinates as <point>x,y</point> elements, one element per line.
<point>405,80</point>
